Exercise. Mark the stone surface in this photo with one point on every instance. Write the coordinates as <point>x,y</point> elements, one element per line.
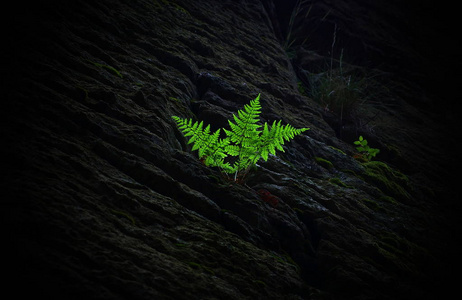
<point>105,200</point>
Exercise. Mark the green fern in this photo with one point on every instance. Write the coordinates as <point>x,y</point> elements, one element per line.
<point>211,148</point>
<point>245,141</point>
<point>244,134</point>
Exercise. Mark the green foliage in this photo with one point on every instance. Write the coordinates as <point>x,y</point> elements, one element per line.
<point>364,148</point>
<point>340,183</point>
<point>210,146</point>
<point>245,143</point>
<point>323,162</point>
<point>339,93</point>
<point>172,4</point>
<point>301,88</point>
<point>109,68</point>
<point>124,214</point>
<point>390,181</point>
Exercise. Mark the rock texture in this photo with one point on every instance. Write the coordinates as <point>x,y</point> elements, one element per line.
<point>103,198</point>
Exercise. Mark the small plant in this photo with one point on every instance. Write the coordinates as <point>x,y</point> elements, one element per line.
<point>340,91</point>
<point>243,146</point>
<point>366,151</point>
<point>299,13</point>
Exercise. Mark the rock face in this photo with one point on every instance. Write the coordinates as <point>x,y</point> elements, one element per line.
<point>105,200</point>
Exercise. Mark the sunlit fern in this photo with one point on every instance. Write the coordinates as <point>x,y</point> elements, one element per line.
<point>245,141</point>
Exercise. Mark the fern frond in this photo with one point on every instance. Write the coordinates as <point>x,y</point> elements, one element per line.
<point>208,145</point>
<point>245,126</point>
<point>273,139</point>
<point>233,150</point>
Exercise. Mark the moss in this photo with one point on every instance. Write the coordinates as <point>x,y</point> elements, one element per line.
<point>260,283</point>
<point>301,88</point>
<point>399,252</point>
<point>388,199</point>
<point>394,151</point>
<point>174,99</point>
<point>285,258</point>
<point>291,262</point>
<point>338,150</point>
<point>208,270</point>
<point>166,3</point>
<point>348,171</point>
<point>194,265</point>
<point>388,180</point>
<point>109,68</point>
<point>323,162</point>
<point>84,92</point>
<point>124,214</point>
<point>399,245</point>
<point>390,242</point>
<point>389,258</point>
<point>340,183</point>
<point>199,267</point>
<point>372,204</point>
<point>298,211</point>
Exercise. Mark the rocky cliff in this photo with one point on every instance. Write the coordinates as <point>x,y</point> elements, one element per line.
<point>104,199</point>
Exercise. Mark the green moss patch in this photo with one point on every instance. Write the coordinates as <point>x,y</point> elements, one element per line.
<point>340,183</point>
<point>337,149</point>
<point>323,162</point>
<point>387,179</point>
<point>112,70</point>
<point>199,267</point>
<point>372,204</point>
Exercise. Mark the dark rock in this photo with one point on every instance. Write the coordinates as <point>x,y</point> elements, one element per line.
<point>103,199</point>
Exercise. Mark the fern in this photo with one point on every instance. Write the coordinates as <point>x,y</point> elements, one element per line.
<point>211,148</point>
<point>244,134</point>
<point>245,141</point>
